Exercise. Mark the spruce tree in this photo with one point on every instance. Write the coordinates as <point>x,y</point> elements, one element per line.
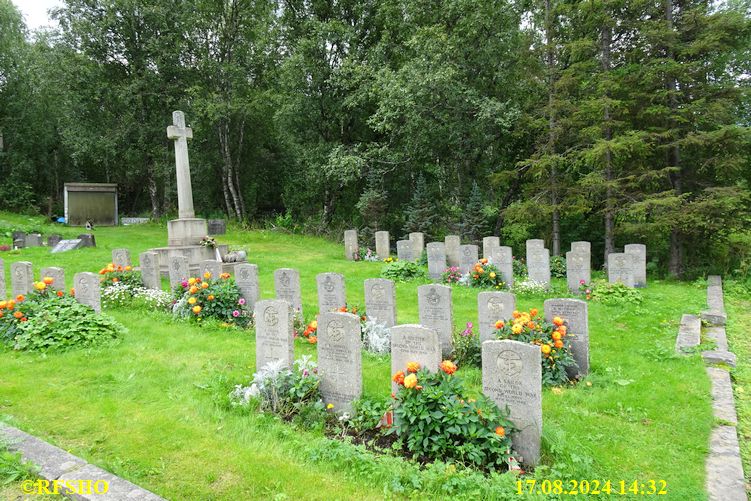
<point>421,214</point>
<point>473,220</point>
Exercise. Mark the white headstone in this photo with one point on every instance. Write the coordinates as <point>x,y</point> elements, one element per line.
<point>287,287</point>
<point>209,266</point>
<point>404,250</point>
<point>577,269</point>
<point>121,257</point>
<point>492,307</point>
<point>179,270</point>
<point>639,253</point>
<point>88,291</point>
<point>489,245</point>
<point>331,292</point>
<point>275,333</point>
<point>380,300</point>
<point>452,244</point>
<point>340,359</point>
<point>436,259</point>
<point>351,247</point>
<point>150,270</point>
<point>383,244</point>
<point>576,315</point>
<point>21,278</point>
<point>621,268</point>
<point>56,274</point>
<point>414,343</point>
<point>538,265</point>
<point>246,278</point>
<point>468,258</point>
<point>434,304</point>
<point>418,244</point>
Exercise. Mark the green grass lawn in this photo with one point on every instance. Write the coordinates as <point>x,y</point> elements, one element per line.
<point>151,408</point>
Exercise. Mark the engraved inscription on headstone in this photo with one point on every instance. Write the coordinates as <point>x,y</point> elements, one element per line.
<point>414,343</point>
<point>67,245</point>
<point>503,259</point>
<point>331,292</point>
<point>88,291</point>
<point>575,313</point>
<point>246,278</point>
<point>581,246</point>
<point>380,300</point>
<point>512,376</point>
<point>469,258</point>
<point>535,243</point>
<point>434,303</point>
<point>287,287</point>
<point>150,270</point>
<point>436,259</point>
<point>538,265</point>
<point>21,278</point>
<point>491,307</point>
<point>404,250</point>
<point>621,268</point>
<point>210,266</point>
<point>339,359</point>
<point>121,257</point>
<point>489,246</point>
<point>418,244</point>
<point>274,332</point>
<point>3,290</point>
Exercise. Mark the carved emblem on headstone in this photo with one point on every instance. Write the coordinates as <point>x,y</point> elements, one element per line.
<point>433,297</point>
<point>336,331</point>
<point>271,316</point>
<point>509,363</point>
<point>328,284</point>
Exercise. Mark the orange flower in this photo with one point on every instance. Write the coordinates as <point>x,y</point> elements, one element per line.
<point>516,314</point>
<point>557,321</point>
<point>545,348</point>
<point>224,276</point>
<point>1,314</point>
<point>398,377</point>
<point>115,280</point>
<point>18,314</point>
<point>500,431</point>
<point>448,367</point>
<point>60,293</point>
<point>343,309</point>
<point>197,309</point>
<point>3,304</point>
<point>128,268</point>
<point>48,280</point>
<point>24,319</point>
<point>531,324</point>
<point>533,312</point>
<point>102,271</point>
<point>418,387</point>
<point>11,304</point>
<point>20,298</point>
<point>205,285</point>
<point>410,381</point>
<point>500,324</point>
<point>312,339</point>
<point>193,289</point>
<point>413,367</point>
<point>562,329</point>
<point>556,336</point>
<point>558,344</point>
<point>314,324</point>
<point>211,297</point>
<point>484,261</point>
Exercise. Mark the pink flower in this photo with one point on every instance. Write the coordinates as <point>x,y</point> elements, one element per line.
<point>582,281</point>
<point>588,291</point>
<point>184,283</point>
<point>235,313</point>
<point>241,301</point>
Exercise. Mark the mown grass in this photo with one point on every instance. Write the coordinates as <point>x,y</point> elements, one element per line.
<point>152,408</point>
<point>739,319</point>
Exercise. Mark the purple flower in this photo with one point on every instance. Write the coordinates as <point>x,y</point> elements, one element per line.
<point>235,313</point>
<point>184,284</point>
<point>305,373</point>
<point>241,301</point>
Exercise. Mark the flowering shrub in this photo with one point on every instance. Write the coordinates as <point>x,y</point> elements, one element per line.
<point>311,332</point>
<point>50,320</point>
<point>467,348</point>
<point>529,327</point>
<point>200,298</point>
<point>558,266</point>
<point>122,294</point>
<point>402,271</point>
<point>451,275</point>
<point>390,259</point>
<point>208,242</point>
<point>485,275</point>
<point>4,248</point>
<point>611,294</point>
<point>529,286</point>
<point>436,420</point>
<point>282,391</point>
<point>366,255</point>
<point>376,337</point>
<point>113,275</point>
<point>519,266</point>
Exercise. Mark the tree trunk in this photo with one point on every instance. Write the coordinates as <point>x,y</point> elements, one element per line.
<point>675,265</point>
<point>153,193</point>
<point>550,63</point>
<point>228,178</point>
<point>606,41</point>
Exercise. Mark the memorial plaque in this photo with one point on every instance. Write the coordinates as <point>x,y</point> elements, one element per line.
<point>275,333</point>
<point>22,278</point>
<point>383,244</point>
<point>434,303</point>
<point>414,343</point>
<point>149,262</point>
<point>340,359</point>
<point>577,269</point>
<point>246,278</point>
<point>88,291</point>
<point>287,287</point>
<point>639,253</point>
<point>57,275</point>
<point>621,268</point>
<point>380,300</point>
<point>67,245</point>
<point>216,226</point>
<point>436,259</point>
<point>576,316</point>
<point>351,246</point>
<point>331,292</point>
<point>512,377</point>
<point>179,270</point>
<point>451,246</point>
<point>491,307</point>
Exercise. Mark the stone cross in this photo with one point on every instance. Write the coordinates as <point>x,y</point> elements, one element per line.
<point>274,332</point>
<point>180,134</point>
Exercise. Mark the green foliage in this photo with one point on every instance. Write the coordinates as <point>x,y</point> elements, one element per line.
<point>520,267</point>
<point>558,266</point>
<point>473,218</point>
<point>486,276</point>
<point>467,348</point>
<point>368,414</point>
<point>422,213</point>
<point>436,420</point>
<point>13,468</point>
<point>56,324</point>
<point>211,298</point>
<point>403,271</point>
<point>613,294</point>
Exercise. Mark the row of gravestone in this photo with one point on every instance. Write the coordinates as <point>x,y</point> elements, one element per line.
<point>511,370</point>
<point>628,267</point>
<point>85,284</point>
<point>55,242</point>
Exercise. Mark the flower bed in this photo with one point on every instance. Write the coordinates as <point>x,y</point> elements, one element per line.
<point>203,298</point>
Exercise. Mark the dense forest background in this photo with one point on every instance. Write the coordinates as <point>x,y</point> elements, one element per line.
<point>611,121</point>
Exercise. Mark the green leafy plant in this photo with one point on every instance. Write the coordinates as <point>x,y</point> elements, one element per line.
<point>558,266</point>
<point>529,327</point>
<point>403,271</point>
<point>436,420</point>
<point>467,348</point>
<point>207,297</point>
<point>613,294</point>
<point>486,276</point>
